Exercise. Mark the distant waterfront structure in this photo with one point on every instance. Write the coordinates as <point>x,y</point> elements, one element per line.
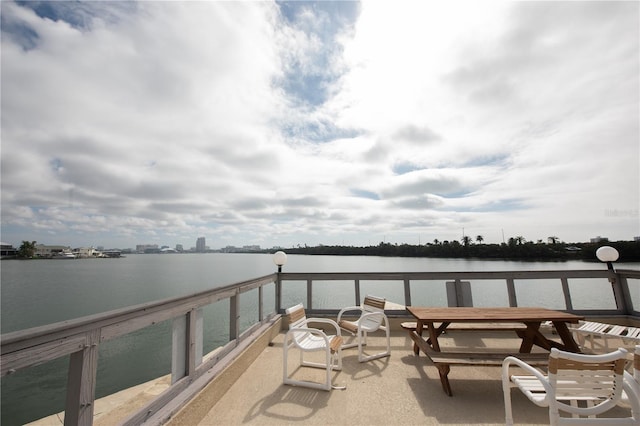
<point>87,252</point>
<point>7,250</point>
<point>179,248</point>
<point>243,249</point>
<point>599,239</point>
<point>201,246</point>
<point>147,248</point>
<point>47,251</point>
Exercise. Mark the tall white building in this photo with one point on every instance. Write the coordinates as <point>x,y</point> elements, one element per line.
<point>201,245</point>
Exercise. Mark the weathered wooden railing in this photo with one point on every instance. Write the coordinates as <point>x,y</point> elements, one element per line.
<point>80,338</point>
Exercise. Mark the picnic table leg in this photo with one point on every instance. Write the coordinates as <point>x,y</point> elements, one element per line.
<point>529,336</point>
<point>566,336</point>
<point>443,370</point>
<point>416,348</point>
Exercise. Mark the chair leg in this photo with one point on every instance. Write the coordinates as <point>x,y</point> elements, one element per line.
<point>508,414</point>
<point>332,361</point>
<point>364,358</point>
<point>355,342</point>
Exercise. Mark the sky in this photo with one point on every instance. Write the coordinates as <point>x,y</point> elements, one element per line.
<point>308,123</point>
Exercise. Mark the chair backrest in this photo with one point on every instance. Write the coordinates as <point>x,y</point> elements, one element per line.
<point>297,316</point>
<point>373,304</point>
<point>595,377</point>
<point>297,319</point>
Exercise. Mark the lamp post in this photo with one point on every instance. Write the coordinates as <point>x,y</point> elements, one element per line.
<point>279,258</point>
<point>607,254</point>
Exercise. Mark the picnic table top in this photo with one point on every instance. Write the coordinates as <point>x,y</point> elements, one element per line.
<point>474,314</point>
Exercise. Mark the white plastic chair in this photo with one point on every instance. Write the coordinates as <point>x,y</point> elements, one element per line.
<point>596,380</point>
<point>307,339</point>
<point>633,378</point>
<point>372,318</point>
<point>597,332</point>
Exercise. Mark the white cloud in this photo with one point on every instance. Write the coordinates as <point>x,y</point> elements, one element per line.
<point>258,123</point>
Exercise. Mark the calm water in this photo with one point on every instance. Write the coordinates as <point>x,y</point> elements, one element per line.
<point>41,292</point>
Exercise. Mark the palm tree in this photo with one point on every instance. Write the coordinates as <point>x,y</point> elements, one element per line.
<point>27,249</point>
<point>466,240</point>
<point>520,239</point>
<point>479,239</point>
<point>552,240</point>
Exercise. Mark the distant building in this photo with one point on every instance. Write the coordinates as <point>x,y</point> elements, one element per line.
<point>147,248</point>
<point>201,245</point>
<point>599,239</point>
<point>51,251</point>
<point>7,250</point>
<point>179,247</point>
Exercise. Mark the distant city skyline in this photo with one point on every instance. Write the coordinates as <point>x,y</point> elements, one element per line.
<point>285,123</point>
<point>195,248</point>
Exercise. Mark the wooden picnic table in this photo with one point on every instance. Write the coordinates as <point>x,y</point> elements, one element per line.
<point>530,334</point>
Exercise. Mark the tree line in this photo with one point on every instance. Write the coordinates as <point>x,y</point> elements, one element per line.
<point>516,248</point>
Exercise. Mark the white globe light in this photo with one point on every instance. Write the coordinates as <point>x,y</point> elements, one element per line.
<point>280,258</point>
<point>607,254</point>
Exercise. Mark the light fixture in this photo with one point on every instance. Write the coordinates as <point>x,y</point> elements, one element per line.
<point>280,258</point>
<point>607,254</point>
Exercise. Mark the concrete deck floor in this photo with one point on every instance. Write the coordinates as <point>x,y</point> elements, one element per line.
<point>402,389</point>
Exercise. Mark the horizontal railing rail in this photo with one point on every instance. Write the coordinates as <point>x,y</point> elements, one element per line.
<point>80,338</point>
<point>618,280</point>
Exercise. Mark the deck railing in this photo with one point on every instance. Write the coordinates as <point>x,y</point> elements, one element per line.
<point>81,338</point>
<point>622,283</point>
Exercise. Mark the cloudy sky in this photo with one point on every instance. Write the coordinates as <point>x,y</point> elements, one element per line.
<point>286,123</point>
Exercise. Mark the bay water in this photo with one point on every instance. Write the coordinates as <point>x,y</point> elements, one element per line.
<point>39,292</point>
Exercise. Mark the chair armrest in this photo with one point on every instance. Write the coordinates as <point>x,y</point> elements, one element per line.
<point>632,389</point>
<point>347,309</point>
<point>315,331</point>
<point>506,378</point>
<point>325,321</point>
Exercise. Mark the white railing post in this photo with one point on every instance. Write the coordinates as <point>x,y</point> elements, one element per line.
<point>278,293</point>
<point>260,307</point>
<point>511,292</point>
<point>407,292</point>
<point>187,344</point>
<point>234,317</point>
<point>567,294</point>
<point>81,382</point>
<point>309,294</point>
